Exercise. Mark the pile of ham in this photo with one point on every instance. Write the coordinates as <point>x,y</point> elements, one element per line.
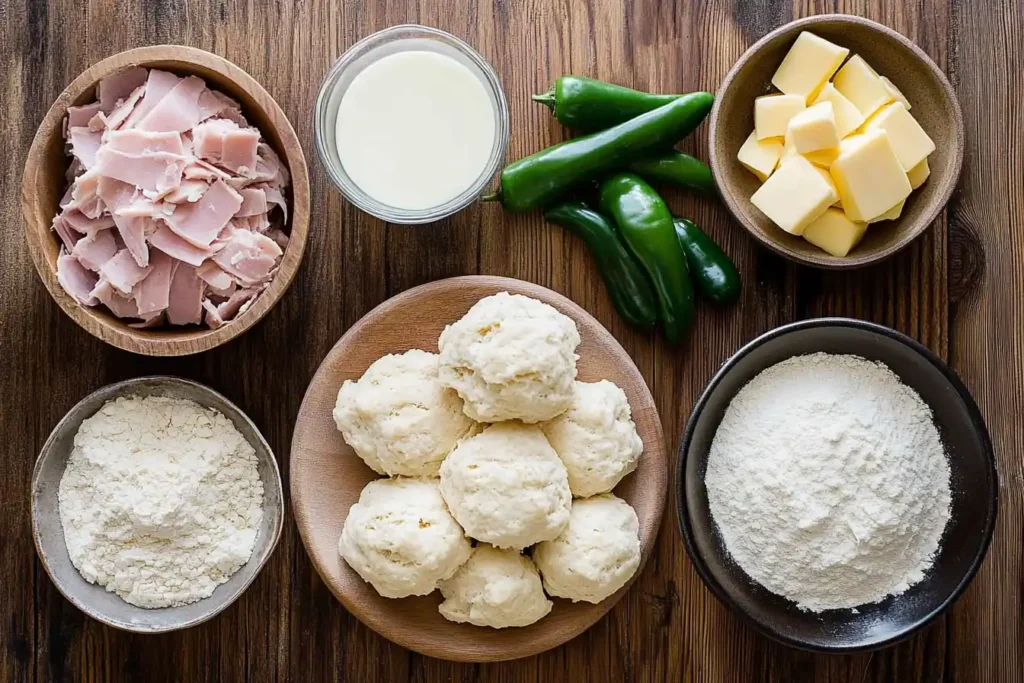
<point>175,208</point>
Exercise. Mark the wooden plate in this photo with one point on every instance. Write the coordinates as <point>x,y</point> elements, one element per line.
<point>327,476</point>
<point>43,185</point>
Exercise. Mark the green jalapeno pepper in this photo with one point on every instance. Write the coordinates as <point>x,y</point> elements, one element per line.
<point>540,179</point>
<point>713,273</point>
<point>672,167</point>
<point>646,224</point>
<point>587,105</point>
<point>625,280</point>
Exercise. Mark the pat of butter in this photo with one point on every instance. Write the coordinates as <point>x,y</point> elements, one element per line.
<point>890,215</point>
<point>760,157</point>
<point>808,64</point>
<point>773,112</point>
<point>860,84</point>
<point>848,117</point>
<point>895,92</point>
<point>791,153</point>
<point>908,138</point>
<point>919,174</point>
<point>813,129</point>
<point>820,157</point>
<point>869,176</point>
<point>794,195</point>
<point>834,232</point>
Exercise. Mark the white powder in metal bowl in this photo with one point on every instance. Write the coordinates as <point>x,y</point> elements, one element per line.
<point>828,482</point>
<point>161,500</point>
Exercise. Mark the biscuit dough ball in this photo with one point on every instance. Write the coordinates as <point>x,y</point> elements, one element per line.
<point>506,486</point>
<point>596,554</point>
<point>496,588</point>
<point>510,358</point>
<point>399,418</point>
<point>401,538</point>
<point>595,438</point>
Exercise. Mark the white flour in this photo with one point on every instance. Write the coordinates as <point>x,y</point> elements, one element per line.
<point>161,500</point>
<point>828,482</point>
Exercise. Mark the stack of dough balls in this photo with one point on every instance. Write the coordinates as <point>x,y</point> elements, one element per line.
<point>489,442</point>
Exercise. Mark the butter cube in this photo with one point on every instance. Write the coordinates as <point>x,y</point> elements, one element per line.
<point>773,112</point>
<point>869,176</point>
<point>848,117</point>
<point>860,84</point>
<point>814,128</point>
<point>820,157</point>
<point>794,195</point>
<point>791,153</point>
<point>890,215</point>
<point>919,174</point>
<point>895,92</point>
<point>760,157</point>
<point>808,64</point>
<point>908,138</point>
<point>834,232</point>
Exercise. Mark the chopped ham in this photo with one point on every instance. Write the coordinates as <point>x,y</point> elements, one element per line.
<point>152,294</point>
<point>178,110</point>
<point>155,320</point>
<point>168,242</point>
<point>276,197</point>
<point>158,85</point>
<point>200,223</point>
<point>122,272</point>
<point>115,194</point>
<point>213,103</point>
<point>136,141</point>
<point>213,275</point>
<point>75,279</point>
<point>188,191</point>
<point>230,308</point>
<point>67,236</point>
<point>121,112</point>
<point>155,171</point>
<point>133,232</point>
<point>269,167</point>
<point>120,305</point>
<point>213,319</point>
<point>85,225</point>
<point>222,142</point>
<point>84,145</point>
<point>279,237</point>
<point>254,202</point>
<point>117,87</point>
<point>201,170</point>
<point>186,296</point>
<point>144,207</point>
<point>80,116</point>
<point>249,256</point>
<point>84,194</point>
<point>95,249</point>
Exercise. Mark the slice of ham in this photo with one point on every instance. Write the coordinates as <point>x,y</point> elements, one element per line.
<point>269,168</point>
<point>178,110</point>
<point>188,191</point>
<point>200,223</point>
<point>80,116</point>
<point>152,294</point>
<point>186,296</point>
<point>67,236</point>
<point>75,279</point>
<point>133,232</point>
<point>155,320</point>
<point>122,272</point>
<point>230,308</point>
<point>144,207</point>
<point>84,194</point>
<point>116,118</point>
<point>137,141</point>
<point>213,319</point>
<point>121,306</point>
<point>115,194</point>
<point>214,103</point>
<point>222,142</point>
<point>84,145</point>
<point>213,275</point>
<point>168,242</point>
<point>275,197</point>
<point>248,256</point>
<point>254,202</point>
<point>279,237</point>
<point>81,223</point>
<point>153,171</point>
<point>94,250</point>
<point>158,84</point>
<point>118,86</point>
<point>202,170</point>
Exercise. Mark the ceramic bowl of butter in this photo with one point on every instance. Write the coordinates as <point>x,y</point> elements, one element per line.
<point>835,141</point>
<point>164,530</point>
<point>843,522</point>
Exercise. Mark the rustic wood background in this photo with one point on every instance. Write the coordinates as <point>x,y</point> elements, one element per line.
<point>959,289</point>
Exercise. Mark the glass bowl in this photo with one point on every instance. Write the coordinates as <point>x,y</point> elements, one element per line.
<point>369,50</point>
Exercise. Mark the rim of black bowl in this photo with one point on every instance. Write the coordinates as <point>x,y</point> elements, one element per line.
<point>683,516</point>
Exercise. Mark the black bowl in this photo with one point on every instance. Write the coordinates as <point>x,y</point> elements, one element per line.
<point>973,484</point>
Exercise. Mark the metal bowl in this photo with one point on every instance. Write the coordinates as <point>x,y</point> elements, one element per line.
<point>94,600</point>
<point>973,485</point>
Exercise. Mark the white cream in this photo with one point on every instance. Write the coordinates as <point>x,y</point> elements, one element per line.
<point>415,129</point>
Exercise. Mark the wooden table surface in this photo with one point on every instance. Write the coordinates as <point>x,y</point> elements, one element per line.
<point>959,290</point>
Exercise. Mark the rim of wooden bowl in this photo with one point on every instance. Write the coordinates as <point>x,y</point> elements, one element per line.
<point>824,260</point>
<point>38,213</point>
<point>319,456</point>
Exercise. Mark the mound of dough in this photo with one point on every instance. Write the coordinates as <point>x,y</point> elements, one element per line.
<point>496,588</point>
<point>510,358</point>
<point>596,555</point>
<point>595,438</point>
<point>401,538</point>
<point>399,418</point>
<point>507,487</point>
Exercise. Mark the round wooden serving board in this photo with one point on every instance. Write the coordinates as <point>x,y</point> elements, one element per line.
<point>327,476</point>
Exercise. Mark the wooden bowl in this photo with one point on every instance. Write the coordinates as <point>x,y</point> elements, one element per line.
<point>892,55</point>
<point>327,476</point>
<point>43,185</point>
